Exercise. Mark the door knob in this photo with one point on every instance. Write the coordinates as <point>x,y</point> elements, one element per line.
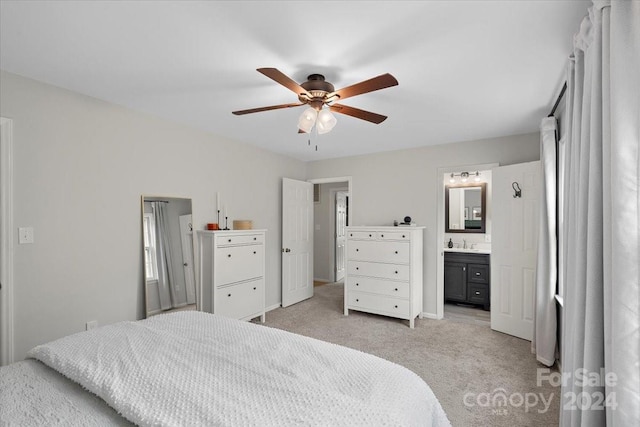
<point>186,264</point>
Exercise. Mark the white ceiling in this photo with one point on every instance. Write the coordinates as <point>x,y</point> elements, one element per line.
<point>466,69</point>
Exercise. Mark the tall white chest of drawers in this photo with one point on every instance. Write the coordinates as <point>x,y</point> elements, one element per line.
<point>232,272</point>
<point>384,271</point>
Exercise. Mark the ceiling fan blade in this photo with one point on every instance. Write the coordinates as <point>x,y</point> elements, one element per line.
<point>279,77</point>
<point>358,113</point>
<point>272,107</point>
<point>381,82</point>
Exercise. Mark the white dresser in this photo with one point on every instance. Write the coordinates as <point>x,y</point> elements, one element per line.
<point>384,271</point>
<point>232,272</point>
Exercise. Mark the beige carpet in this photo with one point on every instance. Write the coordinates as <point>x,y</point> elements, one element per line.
<point>455,358</point>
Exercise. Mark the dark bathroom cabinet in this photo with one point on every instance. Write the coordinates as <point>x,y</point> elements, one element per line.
<point>467,278</point>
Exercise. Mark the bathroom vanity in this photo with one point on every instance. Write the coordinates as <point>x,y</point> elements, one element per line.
<point>467,277</point>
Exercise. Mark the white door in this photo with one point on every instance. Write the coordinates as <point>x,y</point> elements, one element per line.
<point>341,223</point>
<point>297,241</point>
<point>186,238</point>
<point>514,244</point>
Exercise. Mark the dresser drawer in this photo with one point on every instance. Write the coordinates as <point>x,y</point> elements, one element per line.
<point>392,252</point>
<point>393,235</point>
<point>478,273</point>
<point>378,286</point>
<point>362,235</point>
<point>378,303</point>
<point>383,271</point>
<point>238,263</point>
<point>240,300</point>
<point>242,239</point>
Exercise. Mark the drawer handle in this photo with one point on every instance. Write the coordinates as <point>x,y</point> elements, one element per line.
<point>396,306</point>
<point>229,255</point>
<point>477,274</point>
<point>350,234</point>
<point>382,235</point>
<point>229,240</point>
<point>254,252</point>
<point>369,235</point>
<point>357,250</point>
<point>477,292</point>
<point>403,236</point>
<point>357,300</point>
<point>396,289</point>
<point>255,238</point>
<point>396,271</point>
<point>357,284</point>
<point>396,252</point>
<point>228,295</point>
<point>254,288</point>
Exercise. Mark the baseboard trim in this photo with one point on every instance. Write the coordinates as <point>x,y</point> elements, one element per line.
<point>272,307</point>
<point>431,316</point>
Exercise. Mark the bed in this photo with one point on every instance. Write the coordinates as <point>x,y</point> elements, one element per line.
<point>193,368</point>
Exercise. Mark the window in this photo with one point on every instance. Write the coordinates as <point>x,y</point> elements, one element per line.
<point>149,234</point>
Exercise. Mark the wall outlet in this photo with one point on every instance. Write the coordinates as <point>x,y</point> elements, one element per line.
<point>92,324</point>
<point>25,235</point>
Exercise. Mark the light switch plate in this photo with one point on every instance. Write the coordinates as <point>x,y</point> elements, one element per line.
<point>25,235</point>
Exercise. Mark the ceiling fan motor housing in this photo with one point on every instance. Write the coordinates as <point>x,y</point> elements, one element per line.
<point>318,88</point>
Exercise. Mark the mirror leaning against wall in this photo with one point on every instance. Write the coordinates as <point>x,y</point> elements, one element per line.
<point>167,246</point>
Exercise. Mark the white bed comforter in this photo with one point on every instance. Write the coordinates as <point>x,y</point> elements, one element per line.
<point>192,368</point>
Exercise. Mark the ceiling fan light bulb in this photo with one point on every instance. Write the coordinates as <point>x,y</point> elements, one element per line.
<point>307,119</point>
<point>326,121</point>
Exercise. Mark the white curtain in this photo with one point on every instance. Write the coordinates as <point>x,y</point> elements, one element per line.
<point>164,257</point>
<point>544,339</point>
<point>602,217</point>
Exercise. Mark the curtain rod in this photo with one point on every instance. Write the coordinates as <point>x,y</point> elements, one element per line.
<point>564,89</point>
<point>157,201</point>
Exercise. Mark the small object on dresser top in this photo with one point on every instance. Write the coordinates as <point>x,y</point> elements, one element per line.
<point>242,224</point>
<point>450,244</point>
<point>212,226</point>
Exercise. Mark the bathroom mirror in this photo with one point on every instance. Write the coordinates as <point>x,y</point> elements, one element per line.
<point>167,246</point>
<point>465,208</point>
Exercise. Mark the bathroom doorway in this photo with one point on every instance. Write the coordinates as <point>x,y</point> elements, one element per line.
<point>462,270</point>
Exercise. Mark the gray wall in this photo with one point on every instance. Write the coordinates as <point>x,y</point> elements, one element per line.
<point>391,185</point>
<point>80,167</point>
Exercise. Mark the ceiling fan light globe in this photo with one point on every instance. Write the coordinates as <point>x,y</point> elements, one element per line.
<point>326,121</point>
<point>307,119</point>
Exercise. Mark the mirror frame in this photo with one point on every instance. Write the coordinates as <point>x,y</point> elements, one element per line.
<point>483,204</point>
<point>198,297</point>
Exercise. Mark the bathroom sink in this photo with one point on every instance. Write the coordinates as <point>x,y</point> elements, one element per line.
<point>468,250</point>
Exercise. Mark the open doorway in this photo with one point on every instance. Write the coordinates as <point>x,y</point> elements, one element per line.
<point>331,216</point>
<point>464,223</point>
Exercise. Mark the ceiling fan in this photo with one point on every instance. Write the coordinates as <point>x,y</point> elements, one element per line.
<point>321,97</point>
